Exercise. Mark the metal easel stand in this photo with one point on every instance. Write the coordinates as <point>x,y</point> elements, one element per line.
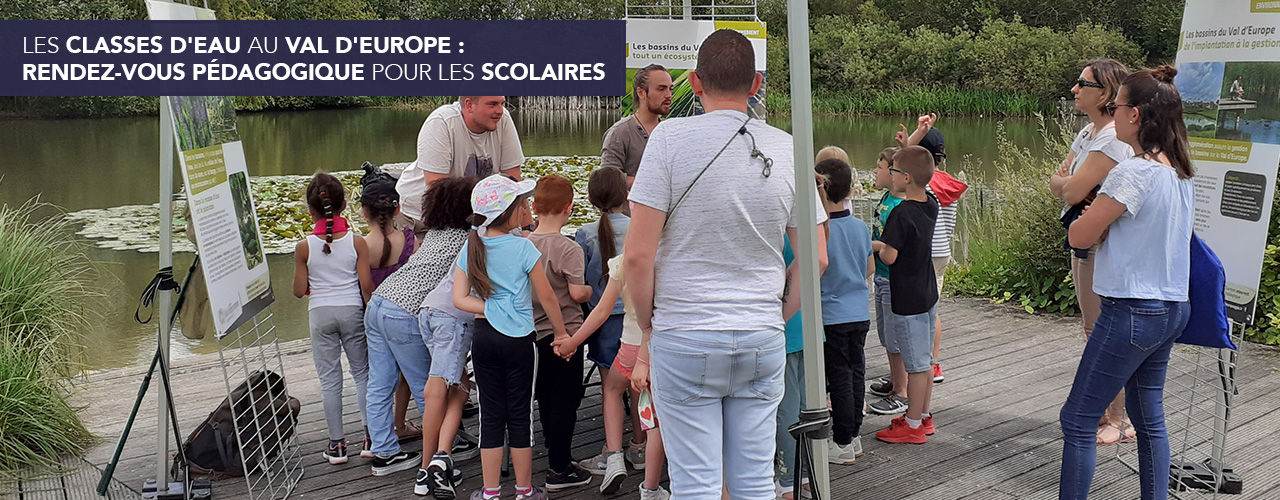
<point>814,424</point>
<point>1199,392</point>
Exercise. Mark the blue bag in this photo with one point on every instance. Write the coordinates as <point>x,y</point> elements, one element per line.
<point>1208,324</point>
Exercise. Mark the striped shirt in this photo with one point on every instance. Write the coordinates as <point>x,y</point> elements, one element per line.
<point>944,228</point>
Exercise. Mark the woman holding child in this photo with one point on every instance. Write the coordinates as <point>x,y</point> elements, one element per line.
<point>1095,151</point>
<point>1142,216</point>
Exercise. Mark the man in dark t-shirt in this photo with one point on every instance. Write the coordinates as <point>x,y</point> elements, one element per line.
<point>906,247</point>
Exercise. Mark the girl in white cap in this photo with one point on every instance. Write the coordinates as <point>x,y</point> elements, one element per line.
<point>504,271</point>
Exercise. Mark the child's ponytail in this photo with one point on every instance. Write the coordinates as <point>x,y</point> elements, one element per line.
<point>477,273</point>
<point>607,191</point>
<point>321,193</point>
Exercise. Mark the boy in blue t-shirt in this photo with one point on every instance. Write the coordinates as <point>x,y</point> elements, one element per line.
<point>846,315</point>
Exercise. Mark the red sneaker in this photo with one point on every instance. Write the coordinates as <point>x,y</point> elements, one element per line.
<point>900,432</point>
<point>927,425</point>
<point>937,374</point>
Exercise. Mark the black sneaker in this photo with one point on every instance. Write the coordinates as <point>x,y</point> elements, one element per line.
<point>465,446</point>
<point>882,387</point>
<point>890,405</point>
<point>470,409</point>
<point>395,463</point>
<point>573,475</point>
<point>437,479</point>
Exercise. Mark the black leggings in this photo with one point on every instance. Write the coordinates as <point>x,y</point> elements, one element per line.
<point>506,372</point>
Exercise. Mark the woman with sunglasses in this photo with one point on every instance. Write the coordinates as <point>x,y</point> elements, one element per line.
<point>1094,153</point>
<point>1143,216</point>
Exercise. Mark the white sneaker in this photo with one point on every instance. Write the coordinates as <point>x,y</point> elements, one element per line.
<point>857,446</point>
<point>615,472</point>
<point>597,464</point>
<point>654,494</point>
<point>840,455</point>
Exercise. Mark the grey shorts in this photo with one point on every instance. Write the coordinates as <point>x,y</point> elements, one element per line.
<point>913,335</point>
<point>448,340</point>
<point>883,309</point>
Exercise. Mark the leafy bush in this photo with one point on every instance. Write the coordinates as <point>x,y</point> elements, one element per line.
<point>43,272</point>
<point>1014,240</point>
<point>1266,327</point>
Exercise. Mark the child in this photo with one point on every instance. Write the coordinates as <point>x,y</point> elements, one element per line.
<point>905,247</point>
<point>334,271</point>
<point>380,204</point>
<point>894,388</point>
<point>845,315</point>
<point>607,191</point>
<point>504,270</point>
<point>560,388</point>
<point>627,365</point>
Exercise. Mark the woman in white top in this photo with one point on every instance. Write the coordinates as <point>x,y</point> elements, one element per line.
<point>1143,216</point>
<point>1093,154</point>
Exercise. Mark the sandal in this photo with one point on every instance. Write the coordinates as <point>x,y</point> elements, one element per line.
<point>410,432</point>
<point>1112,434</point>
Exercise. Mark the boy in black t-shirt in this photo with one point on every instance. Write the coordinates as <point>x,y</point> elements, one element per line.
<point>906,247</point>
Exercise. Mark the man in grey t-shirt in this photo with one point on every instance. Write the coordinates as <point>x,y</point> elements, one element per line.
<point>705,271</point>
<point>624,142</point>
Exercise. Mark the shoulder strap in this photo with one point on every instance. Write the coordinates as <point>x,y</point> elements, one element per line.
<point>741,131</point>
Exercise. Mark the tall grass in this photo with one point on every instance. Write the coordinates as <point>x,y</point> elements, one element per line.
<point>43,277</point>
<point>907,101</point>
<point>1012,237</point>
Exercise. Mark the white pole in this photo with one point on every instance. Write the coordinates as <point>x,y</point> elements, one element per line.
<point>164,298</point>
<point>811,307</point>
<point>688,10</point>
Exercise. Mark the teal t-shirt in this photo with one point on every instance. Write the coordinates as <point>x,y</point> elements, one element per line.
<point>882,209</point>
<point>795,328</point>
<point>508,260</point>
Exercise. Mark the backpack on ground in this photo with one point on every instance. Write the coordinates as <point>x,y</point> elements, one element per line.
<point>266,416</point>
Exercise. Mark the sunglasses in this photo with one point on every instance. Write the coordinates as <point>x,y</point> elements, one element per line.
<point>1081,82</point>
<point>1112,106</point>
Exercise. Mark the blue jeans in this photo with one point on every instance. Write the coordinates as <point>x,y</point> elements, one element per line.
<point>788,414</point>
<point>718,395</point>
<point>1129,348</point>
<point>395,347</point>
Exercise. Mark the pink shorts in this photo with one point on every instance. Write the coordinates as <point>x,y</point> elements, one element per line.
<point>625,363</point>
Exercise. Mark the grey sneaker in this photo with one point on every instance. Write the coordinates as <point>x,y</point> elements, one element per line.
<point>840,455</point>
<point>538,493</point>
<point>597,464</point>
<point>635,455</point>
<point>654,494</point>
<point>890,405</point>
<point>615,473</point>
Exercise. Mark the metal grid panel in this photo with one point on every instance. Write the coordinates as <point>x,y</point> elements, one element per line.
<point>720,10</point>
<point>271,461</point>
<point>1198,394</point>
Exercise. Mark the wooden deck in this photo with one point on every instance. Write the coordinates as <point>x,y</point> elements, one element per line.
<point>1008,374</point>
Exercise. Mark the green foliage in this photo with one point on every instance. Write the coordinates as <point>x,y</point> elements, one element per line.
<point>1014,240</point>
<point>1266,327</point>
<point>868,53</point>
<point>43,273</point>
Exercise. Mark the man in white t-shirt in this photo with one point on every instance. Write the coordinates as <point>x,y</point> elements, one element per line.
<point>473,137</point>
<point>713,198</point>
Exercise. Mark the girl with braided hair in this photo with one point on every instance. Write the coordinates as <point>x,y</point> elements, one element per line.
<point>332,267</point>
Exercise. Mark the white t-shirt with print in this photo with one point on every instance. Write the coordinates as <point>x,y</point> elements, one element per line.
<point>719,264</point>
<point>447,146</point>
<point>1104,142</point>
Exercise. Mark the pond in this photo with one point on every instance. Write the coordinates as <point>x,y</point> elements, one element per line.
<point>100,163</point>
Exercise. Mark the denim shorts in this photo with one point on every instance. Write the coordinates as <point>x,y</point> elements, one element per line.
<point>448,340</point>
<point>913,335</point>
<point>602,347</point>
<point>883,310</point>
